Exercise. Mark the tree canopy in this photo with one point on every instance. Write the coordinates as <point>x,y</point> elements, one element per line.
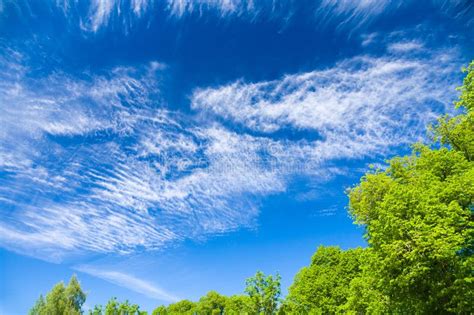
<point>61,300</point>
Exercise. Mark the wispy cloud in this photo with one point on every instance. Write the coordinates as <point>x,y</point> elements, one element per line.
<point>346,15</point>
<point>129,282</point>
<point>405,47</point>
<point>98,164</point>
<point>128,175</point>
<point>358,106</point>
<point>325,11</point>
<point>353,13</point>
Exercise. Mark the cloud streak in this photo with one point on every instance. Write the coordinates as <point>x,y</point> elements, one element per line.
<point>346,15</point>
<point>129,282</point>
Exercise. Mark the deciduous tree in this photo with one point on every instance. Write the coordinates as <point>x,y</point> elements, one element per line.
<point>264,292</point>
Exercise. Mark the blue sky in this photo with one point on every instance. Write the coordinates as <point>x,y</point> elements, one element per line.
<point>161,149</point>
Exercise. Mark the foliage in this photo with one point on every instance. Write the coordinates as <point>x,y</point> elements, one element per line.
<point>324,285</point>
<point>61,300</point>
<point>418,216</point>
<point>238,304</point>
<point>264,293</point>
<point>211,303</point>
<point>160,310</point>
<point>458,132</point>
<point>182,307</point>
<point>114,307</point>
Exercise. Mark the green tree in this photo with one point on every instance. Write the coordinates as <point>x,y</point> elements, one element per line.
<point>114,307</point>
<point>74,295</point>
<point>56,301</point>
<point>96,311</point>
<point>182,307</point>
<point>111,308</point>
<point>418,216</point>
<point>61,300</point>
<point>458,131</point>
<point>160,310</point>
<point>323,286</point>
<point>211,303</point>
<point>238,305</point>
<point>39,306</point>
<point>264,292</point>
<point>363,295</point>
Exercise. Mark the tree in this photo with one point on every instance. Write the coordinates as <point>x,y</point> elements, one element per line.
<point>96,311</point>
<point>39,306</point>
<point>323,286</point>
<point>160,310</point>
<point>74,294</point>
<point>363,294</point>
<point>418,216</point>
<point>458,132</point>
<point>211,303</point>
<point>264,292</point>
<point>182,307</point>
<point>114,307</point>
<point>61,300</point>
<point>238,305</point>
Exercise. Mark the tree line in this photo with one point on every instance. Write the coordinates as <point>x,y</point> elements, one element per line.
<point>418,216</point>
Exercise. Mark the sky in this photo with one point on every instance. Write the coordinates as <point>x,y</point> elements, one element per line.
<point>162,149</point>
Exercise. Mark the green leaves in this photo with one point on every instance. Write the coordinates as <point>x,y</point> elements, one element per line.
<point>458,132</point>
<point>417,217</point>
<point>419,220</point>
<point>324,285</point>
<point>61,300</point>
<point>212,303</point>
<point>264,292</point>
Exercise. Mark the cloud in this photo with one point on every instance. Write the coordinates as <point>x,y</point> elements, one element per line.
<point>325,11</point>
<point>346,15</point>
<point>129,282</point>
<point>360,105</point>
<point>97,163</point>
<point>353,13</point>
<point>404,47</point>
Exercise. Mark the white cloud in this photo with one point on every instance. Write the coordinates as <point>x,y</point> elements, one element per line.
<point>98,165</point>
<point>180,8</point>
<point>346,14</point>
<point>129,282</point>
<point>93,167</point>
<point>358,106</point>
<point>403,47</point>
<point>353,13</point>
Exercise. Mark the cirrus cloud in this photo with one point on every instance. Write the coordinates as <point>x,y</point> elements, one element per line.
<point>98,163</point>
